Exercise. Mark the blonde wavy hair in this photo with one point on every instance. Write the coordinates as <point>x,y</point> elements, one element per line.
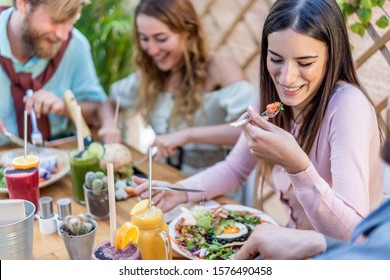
<point>180,17</point>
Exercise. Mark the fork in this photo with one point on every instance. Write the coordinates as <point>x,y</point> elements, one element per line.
<point>36,135</point>
<point>145,158</point>
<point>176,189</point>
<point>241,121</point>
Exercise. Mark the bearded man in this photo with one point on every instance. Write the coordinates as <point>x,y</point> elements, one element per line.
<point>41,50</point>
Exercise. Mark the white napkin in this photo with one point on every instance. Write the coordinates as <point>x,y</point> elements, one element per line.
<point>12,210</point>
<point>175,212</point>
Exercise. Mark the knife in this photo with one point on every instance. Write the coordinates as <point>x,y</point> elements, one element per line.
<point>18,141</point>
<point>176,189</point>
<point>71,104</point>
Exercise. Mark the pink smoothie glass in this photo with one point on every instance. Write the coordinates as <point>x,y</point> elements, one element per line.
<point>23,183</point>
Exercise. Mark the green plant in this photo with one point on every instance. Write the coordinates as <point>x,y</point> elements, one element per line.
<point>363,9</point>
<point>79,225</point>
<point>96,181</point>
<point>107,25</point>
<point>5,2</point>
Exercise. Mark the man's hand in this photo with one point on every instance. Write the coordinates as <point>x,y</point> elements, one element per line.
<point>2,127</point>
<point>45,102</point>
<point>273,242</point>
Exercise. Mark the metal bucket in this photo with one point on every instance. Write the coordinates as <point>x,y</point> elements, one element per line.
<point>79,247</point>
<point>16,239</point>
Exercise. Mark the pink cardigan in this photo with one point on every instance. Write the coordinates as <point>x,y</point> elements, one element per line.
<point>337,190</point>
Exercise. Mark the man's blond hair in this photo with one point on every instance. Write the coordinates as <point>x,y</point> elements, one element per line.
<point>62,9</point>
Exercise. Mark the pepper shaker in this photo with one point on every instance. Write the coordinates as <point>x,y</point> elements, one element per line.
<point>64,206</point>
<point>47,218</point>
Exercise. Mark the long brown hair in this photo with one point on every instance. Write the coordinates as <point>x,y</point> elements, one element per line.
<point>321,20</point>
<point>180,17</point>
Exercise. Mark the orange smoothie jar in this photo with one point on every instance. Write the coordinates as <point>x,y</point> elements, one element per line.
<point>154,242</point>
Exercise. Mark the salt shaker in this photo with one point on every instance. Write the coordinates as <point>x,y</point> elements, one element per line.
<point>64,206</point>
<point>47,219</point>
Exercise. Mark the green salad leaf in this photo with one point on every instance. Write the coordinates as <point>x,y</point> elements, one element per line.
<point>205,220</point>
<point>217,250</point>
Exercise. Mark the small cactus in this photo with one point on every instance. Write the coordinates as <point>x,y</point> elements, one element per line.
<point>77,225</point>
<point>96,181</point>
<point>100,174</point>
<point>89,177</point>
<point>97,184</point>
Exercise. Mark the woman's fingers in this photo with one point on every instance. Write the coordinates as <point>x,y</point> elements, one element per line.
<point>142,190</point>
<point>157,197</point>
<point>138,180</point>
<point>258,120</point>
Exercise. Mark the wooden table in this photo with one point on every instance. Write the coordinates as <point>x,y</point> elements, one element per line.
<point>52,247</point>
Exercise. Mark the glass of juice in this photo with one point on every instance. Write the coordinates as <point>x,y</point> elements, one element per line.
<point>22,179</point>
<point>154,242</point>
<point>81,163</point>
<point>104,251</point>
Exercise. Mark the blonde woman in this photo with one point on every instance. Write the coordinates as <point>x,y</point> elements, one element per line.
<point>185,93</point>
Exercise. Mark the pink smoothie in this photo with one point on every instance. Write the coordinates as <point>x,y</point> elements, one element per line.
<point>105,251</point>
<point>23,184</point>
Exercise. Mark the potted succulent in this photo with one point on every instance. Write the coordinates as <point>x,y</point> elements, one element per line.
<point>78,234</point>
<point>96,195</point>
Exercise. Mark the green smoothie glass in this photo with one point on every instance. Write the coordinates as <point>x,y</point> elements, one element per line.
<point>81,163</point>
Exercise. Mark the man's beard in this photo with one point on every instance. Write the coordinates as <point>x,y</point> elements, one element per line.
<point>35,41</point>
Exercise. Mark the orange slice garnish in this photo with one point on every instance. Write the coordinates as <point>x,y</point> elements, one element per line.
<point>140,207</point>
<point>128,233</point>
<point>27,162</point>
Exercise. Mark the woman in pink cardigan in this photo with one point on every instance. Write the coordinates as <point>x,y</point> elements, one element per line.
<point>321,154</point>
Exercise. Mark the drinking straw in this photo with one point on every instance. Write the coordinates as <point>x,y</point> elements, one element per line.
<point>118,101</point>
<point>79,128</point>
<point>25,134</point>
<point>111,201</point>
<point>150,177</point>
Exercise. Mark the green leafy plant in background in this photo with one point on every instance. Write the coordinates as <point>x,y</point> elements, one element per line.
<point>363,9</point>
<point>107,25</point>
<point>5,2</point>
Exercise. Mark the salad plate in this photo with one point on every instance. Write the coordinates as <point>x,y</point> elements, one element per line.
<point>214,232</point>
<point>60,157</point>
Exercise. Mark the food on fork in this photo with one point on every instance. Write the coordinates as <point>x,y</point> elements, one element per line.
<point>271,111</point>
<point>272,108</point>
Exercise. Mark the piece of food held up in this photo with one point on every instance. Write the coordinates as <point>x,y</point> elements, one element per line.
<point>272,110</point>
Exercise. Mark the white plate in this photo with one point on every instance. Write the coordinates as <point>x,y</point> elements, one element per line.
<point>233,207</point>
<point>63,164</point>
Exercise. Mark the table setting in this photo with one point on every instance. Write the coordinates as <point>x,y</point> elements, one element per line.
<point>75,160</point>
